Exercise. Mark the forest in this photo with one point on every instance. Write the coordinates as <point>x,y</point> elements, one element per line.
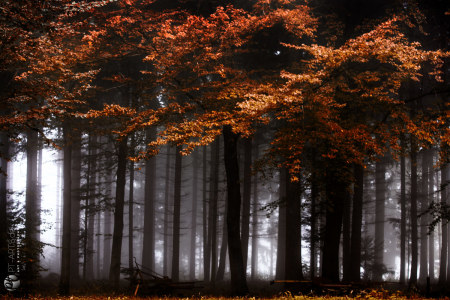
<point>233,147</point>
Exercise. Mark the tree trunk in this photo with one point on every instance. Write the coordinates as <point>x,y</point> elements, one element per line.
<point>76,198</point>
<point>206,253</point>
<point>254,265</point>
<point>347,259</point>
<point>444,249</point>
<point>89,217</point>
<point>32,217</point>
<point>193,245</point>
<point>280,267</point>
<point>237,269</point>
<point>380,189</point>
<point>423,274</point>
<point>116,251</point>
<point>64,283</point>
<point>166,215</point>
<point>131,213</point>
<point>357,214</point>
<point>414,233</point>
<point>336,192</point>
<point>402,218</point>
<point>313,238</point>
<point>293,258</point>
<point>246,198</point>
<point>92,211</point>
<point>107,227</point>
<point>213,198</point>
<point>176,216</point>
<point>148,251</point>
<point>429,217</point>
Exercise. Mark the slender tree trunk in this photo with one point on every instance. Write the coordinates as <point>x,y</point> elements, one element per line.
<point>246,198</point>
<point>429,217</point>
<point>414,233</point>
<point>76,198</point>
<point>92,210</point>
<point>116,251</point>
<point>107,229</point>
<point>313,238</point>
<point>86,212</point>
<point>347,259</point>
<point>64,283</point>
<point>237,269</point>
<point>293,258</point>
<point>214,194</point>
<point>193,216</point>
<point>148,251</point>
<point>39,187</point>
<point>402,218</point>
<point>280,267</point>
<point>176,216</point>
<point>4,226</point>
<point>444,243</point>
<point>206,253</point>
<point>380,189</point>
<point>166,215</point>
<point>59,207</point>
<point>357,214</point>
<point>254,265</point>
<point>423,220</point>
<point>32,217</point>
<point>131,213</point>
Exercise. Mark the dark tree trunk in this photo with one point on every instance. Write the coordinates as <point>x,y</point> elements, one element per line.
<point>148,251</point>
<point>76,198</point>
<point>130,212</point>
<point>380,189</point>
<point>213,198</point>
<point>293,258</point>
<point>89,217</point>
<point>206,253</point>
<point>116,251</point>
<point>64,283</point>
<point>280,267</point>
<point>254,265</point>
<point>423,274</point>
<point>430,195</point>
<point>176,216</point>
<point>402,218</point>
<point>246,198</point>
<point>237,269</point>
<point>32,218</point>
<point>357,214</point>
<point>193,245</point>
<point>313,237</point>
<point>107,243</point>
<point>107,228</point>
<point>444,246</point>
<point>39,186</point>
<point>166,215</point>
<point>336,192</point>
<point>414,233</point>
<point>92,211</point>
<point>4,226</point>
<point>347,260</point>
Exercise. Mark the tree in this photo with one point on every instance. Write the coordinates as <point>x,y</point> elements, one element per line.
<point>116,249</point>
<point>176,216</point>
